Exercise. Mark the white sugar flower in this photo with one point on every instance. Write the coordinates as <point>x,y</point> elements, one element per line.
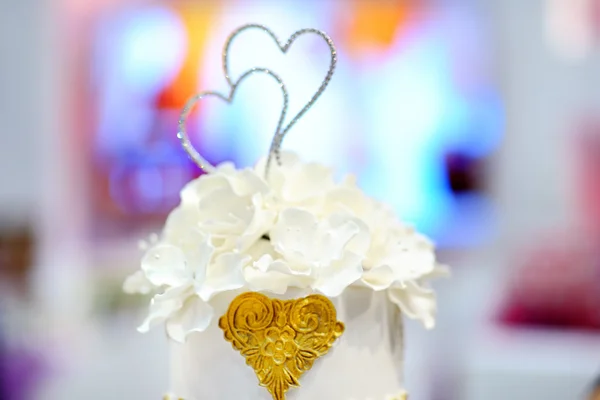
<point>415,301</point>
<point>400,260</point>
<point>191,274</point>
<point>408,254</point>
<point>347,197</point>
<point>329,251</point>
<point>270,272</point>
<point>228,205</point>
<point>297,184</point>
<point>306,252</point>
<point>137,283</point>
<point>397,252</point>
<point>297,229</point>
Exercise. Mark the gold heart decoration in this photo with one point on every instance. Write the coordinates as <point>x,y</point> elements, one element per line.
<point>281,339</point>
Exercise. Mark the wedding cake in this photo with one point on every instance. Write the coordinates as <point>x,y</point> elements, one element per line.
<point>277,282</point>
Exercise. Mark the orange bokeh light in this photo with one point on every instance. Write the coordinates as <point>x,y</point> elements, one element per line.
<point>375,24</point>
<point>198,23</point>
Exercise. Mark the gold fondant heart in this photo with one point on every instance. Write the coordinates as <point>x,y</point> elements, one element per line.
<point>280,339</point>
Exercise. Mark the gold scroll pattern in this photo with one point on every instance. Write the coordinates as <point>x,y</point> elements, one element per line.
<point>281,339</point>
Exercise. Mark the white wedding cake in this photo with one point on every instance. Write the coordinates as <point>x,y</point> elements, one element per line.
<point>276,282</point>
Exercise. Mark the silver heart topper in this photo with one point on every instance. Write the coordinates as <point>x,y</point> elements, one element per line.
<point>187,109</point>
<point>281,131</point>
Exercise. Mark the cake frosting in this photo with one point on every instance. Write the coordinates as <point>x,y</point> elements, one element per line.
<point>288,234</point>
<point>365,363</point>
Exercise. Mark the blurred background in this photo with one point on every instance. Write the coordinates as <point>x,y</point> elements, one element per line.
<point>478,120</point>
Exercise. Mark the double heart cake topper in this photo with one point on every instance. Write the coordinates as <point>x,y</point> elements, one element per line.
<point>281,130</point>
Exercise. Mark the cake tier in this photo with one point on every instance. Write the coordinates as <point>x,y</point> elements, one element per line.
<point>366,362</point>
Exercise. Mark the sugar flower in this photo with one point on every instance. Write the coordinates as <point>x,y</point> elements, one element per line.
<point>236,230</point>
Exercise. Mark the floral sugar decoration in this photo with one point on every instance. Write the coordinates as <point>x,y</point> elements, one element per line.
<point>236,230</point>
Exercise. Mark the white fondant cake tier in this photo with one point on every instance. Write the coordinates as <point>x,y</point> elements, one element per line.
<point>366,362</point>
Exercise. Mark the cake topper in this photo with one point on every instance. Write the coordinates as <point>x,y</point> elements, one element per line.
<point>281,131</point>
<point>267,258</point>
<point>300,233</point>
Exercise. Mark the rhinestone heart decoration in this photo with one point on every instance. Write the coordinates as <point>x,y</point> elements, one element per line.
<point>187,109</point>
<point>276,144</point>
<point>233,84</point>
<point>281,339</point>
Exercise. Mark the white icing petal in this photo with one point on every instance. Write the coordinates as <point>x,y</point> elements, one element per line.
<point>225,273</point>
<point>416,302</point>
<point>260,223</point>
<point>194,316</point>
<point>263,263</point>
<point>407,253</point>
<point>179,226</point>
<point>439,271</point>
<point>224,213</point>
<point>288,159</point>
<point>334,240</point>
<point>274,275</point>
<point>247,183</point>
<point>228,205</point>
<point>356,238</point>
<point>163,306</point>
<point>283,267</point>
<point>379,278</point>
<point>350,199</point>
<point>332,280</point>
<point>273,281</point>
<point>165,264</point>
<point>298,184</point>
<point>196,190</point>
<point>303,241</point>
<point>294,233</point>
<point>137,283</point>
<point>306,181</point>
<point>199,260</point>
